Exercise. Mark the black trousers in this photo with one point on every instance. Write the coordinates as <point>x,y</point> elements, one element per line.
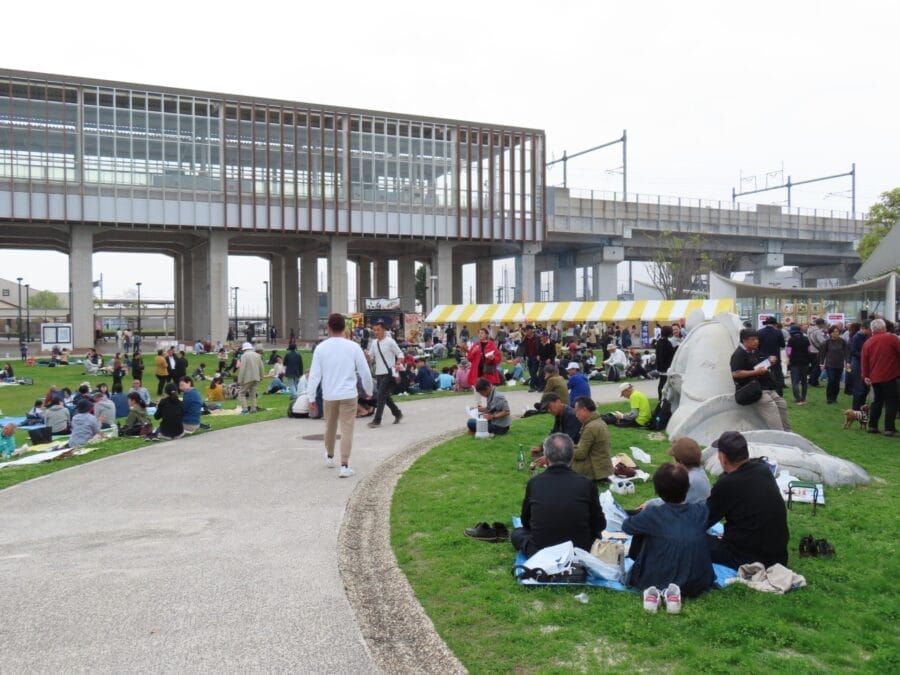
<point>885,399</point>
<point>162,379</point>
<point>384,385</point>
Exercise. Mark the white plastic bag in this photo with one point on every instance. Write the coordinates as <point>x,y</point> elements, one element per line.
<point>597,567</point>
<point>615,515</point>
<point>552,559</point>
<point>639,454</point>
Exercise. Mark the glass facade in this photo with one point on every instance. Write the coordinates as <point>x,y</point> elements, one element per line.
<point>268,165</point>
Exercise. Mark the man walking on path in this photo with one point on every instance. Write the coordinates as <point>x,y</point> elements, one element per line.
<point>293,369</point>
<point>250,374</point>
<point>336,364</point>
<point>384,353</point>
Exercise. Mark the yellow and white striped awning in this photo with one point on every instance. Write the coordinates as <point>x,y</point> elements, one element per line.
<point>577,312</point>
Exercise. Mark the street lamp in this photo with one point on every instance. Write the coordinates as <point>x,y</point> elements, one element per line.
<point>27,312</point>
<point>234,290</point>
<point>268,327</point>
<point>138,284</point>
<point>19,279</point>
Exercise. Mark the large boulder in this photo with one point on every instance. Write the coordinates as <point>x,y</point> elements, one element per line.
<point>707,420</point>
<point>797,456</point>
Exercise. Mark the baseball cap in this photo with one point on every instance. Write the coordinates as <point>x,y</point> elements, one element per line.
<point>686,450</point>
<point>624,386</point>
<point>247,347</point>
<point>573,366</point>
<point>547,399</point>
<point>732,444</point>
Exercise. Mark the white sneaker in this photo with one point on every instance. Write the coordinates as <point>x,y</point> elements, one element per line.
<point>346,472</point>
<point>329,462</point>
<point>672,597</point>
<point>651,599</point>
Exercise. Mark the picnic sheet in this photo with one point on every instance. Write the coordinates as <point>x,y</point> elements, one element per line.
<point>722,573</point>
<point>224,411</point>
<point>47,455</point>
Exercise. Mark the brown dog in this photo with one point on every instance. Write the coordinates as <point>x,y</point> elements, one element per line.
<point>861,416</point>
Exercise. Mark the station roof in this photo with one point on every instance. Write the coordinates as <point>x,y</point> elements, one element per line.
<point>577,312</point>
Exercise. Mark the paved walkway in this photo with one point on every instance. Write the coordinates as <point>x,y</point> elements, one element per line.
<point>213,553</point>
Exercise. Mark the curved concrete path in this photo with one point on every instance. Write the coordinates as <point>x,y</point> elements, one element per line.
<point>220,553</point>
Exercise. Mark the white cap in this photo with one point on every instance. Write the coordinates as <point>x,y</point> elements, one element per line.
<point>624,386</point>
<point>247,347</point>
<point>573,366</point>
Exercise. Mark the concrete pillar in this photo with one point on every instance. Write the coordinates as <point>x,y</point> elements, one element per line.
<point>457,283</point>
<point>276,293</point>
<point>442,268</point>
<point>484,282</point>
<point>337,276</point>
<point>289,301</point>
<point>406,282</point>
<point>526,278</point>
<point>183,311</point>
<point>81,285</point>
<point>203,291</point>
<point>309,296</point>
<point>606,281</point>
<point>382,277</point>
<point>364,283</point>
<point>564,278</point>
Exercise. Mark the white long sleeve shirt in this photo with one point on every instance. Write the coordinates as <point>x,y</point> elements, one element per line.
<point>392,353</point>
<point>335,364</point>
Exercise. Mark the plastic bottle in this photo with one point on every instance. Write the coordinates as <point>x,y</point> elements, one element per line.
<point>520,464</point>
<point>582,598</point>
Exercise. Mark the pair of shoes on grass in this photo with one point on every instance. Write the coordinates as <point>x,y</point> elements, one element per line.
<point>653,598</point>
<point>484,532</point>
<point>815,547</point>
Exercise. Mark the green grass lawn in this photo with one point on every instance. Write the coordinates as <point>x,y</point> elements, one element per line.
<point>15,402</point>
<point>845,620</point>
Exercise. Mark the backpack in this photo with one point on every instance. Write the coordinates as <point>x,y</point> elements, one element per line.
<point>661,415</point>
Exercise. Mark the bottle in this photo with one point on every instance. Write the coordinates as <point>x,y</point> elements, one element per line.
<point>520,464</point>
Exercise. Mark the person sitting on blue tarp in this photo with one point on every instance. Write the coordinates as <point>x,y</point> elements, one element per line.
<point>425,383</point>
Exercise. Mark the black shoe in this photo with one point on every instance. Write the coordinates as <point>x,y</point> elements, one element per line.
<point>481,532</point>
<point>824,548</point>
<point>373,425</point>
<point>807,546</point>
<point>205,426</point>
<point>501,532</point>
<point>398,418</point>
<point>872,431</point>
<point>890,433</point>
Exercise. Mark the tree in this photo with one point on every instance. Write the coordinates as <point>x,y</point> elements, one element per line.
<point>682,262</point>
<point>44,300</point>
<point>421,285</point>
<point>882,218</point>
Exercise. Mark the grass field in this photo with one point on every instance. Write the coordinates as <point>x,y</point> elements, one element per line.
<point>845,620</point>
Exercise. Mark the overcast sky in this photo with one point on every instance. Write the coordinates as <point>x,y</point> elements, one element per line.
<point>708,91</point>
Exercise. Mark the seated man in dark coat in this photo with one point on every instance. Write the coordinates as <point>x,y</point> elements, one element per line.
<point>560,505</point>
<point>749,499</point>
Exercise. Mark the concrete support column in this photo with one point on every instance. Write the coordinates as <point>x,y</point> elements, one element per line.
<point>484,282</point>
<point>382,277</point>
<point>526,276</point>
<point>202,290</point>
<point>442,268</point>
<point>606,281</point>
<point>276,293</point>
<point>457,284</point>
<point>337,276</point>
<point>81,285</point>
<point>564,278</point>
<point>406,282</point>
<point>288,296</point>
<point>309,296</point>
<point>364,283</point>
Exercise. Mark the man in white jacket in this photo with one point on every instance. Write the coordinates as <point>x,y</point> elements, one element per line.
<point>336,363</point>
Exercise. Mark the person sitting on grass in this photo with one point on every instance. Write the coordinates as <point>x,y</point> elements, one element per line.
<point>578,384</point>
<point>104,408</point>
<point>200,373</point>
<point>559,505</point>
<point>8,440</point>
<point>192,406</point>
<point>35,414</point>
<point>495,410</point>
<point>639,414</point>
<point>461,376</point>
<point>445,380</point>
<point>85,427</point>
<point>425,383</point>
<point>592,457</point>
<point>140,390</point>
<point>215,395</point>
<point>57,416</point>
<point>137,416</point>
<point>7,374</point>
<point>615,364</point>
<point>170,412</point>
<point>669,544</point>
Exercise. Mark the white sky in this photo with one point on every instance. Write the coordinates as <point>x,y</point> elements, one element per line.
<point>707,90</point>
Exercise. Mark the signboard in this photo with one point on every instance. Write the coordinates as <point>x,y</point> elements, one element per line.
<point>761,319</point>
<point>836,317</point>
<point>382,303</point>
<point>56,335</point>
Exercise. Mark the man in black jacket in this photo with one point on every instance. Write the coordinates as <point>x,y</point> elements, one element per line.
<point>293,369</point>
<point>749,499</point>
<point>560,505</point>
<point>747,366</point>
<point>564,419</point>
<point>771,342</point>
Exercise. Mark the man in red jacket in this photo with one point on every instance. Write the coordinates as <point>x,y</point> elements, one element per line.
<point>881,370</point>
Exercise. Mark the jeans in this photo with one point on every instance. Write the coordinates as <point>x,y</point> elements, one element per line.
<point>384,386</point>
<point>799,382</point>
<point>492,428</point>
<point>886,399</point>
<point>343,411</point>
<point>292,384</point>
<point>834,384</point>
